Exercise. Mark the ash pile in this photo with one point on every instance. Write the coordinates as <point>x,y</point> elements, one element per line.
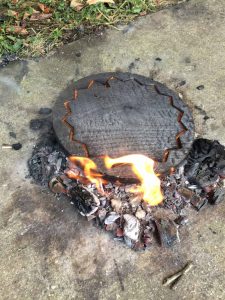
<point>197,183</point>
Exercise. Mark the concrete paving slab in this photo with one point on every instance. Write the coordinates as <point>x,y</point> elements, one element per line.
<point>47,250</point>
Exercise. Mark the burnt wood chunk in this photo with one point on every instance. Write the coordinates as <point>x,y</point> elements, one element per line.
<point>186,193</point>
<point>85,201</point>
<point>205,162</point>
<point>217,196</point>
<point>167,232</point>
<point>198,202</point>
<point>118,114</point>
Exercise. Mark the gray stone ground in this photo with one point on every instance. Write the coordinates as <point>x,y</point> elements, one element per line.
<point>47,250</point>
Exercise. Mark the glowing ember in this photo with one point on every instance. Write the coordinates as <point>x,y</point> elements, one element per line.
<point>142,166</point>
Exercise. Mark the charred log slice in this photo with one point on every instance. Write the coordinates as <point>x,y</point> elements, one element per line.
<point>118,114</point>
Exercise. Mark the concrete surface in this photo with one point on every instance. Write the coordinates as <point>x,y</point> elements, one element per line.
<point>47,250</point>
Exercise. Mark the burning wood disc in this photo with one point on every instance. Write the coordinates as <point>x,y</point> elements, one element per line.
<point>117,114</point>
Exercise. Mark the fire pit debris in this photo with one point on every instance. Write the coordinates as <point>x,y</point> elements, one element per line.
<point>119,207</point>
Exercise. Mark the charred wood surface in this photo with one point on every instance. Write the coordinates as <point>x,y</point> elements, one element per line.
<point>118,114</point>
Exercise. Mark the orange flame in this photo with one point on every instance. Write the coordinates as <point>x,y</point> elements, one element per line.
<point>142,166</point>
<point>90,171</point>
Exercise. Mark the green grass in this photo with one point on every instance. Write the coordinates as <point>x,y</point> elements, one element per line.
<point>21,35</point>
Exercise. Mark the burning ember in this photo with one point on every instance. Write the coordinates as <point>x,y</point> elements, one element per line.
<point>89,169</point>
<point>142,166</point>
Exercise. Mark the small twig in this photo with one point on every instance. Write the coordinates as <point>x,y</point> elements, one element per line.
<point>118,8</point>
<point>103,15</point>
<point>114,27</point>
<point>174,283</point>
<point>33,31</point>
<point>173,279</point>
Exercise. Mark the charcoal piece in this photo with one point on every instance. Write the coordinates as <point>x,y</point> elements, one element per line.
<point>220,168</point>
<point>205,162</point>
<point>191,168</point>
<point>198,202</point>
<point>85,201</point>
<point>218,196</point>
<point>56,185</point>
<point>119,180</point>
<point>207,179</point>
<point>167,232</point>
<point>186,193</point>
<point>200,87</point>
<point>16,146</point>
<point>41,169</point>
<point>163,213</point>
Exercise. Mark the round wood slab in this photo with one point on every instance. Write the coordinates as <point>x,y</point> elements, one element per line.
<point>117,114</point>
